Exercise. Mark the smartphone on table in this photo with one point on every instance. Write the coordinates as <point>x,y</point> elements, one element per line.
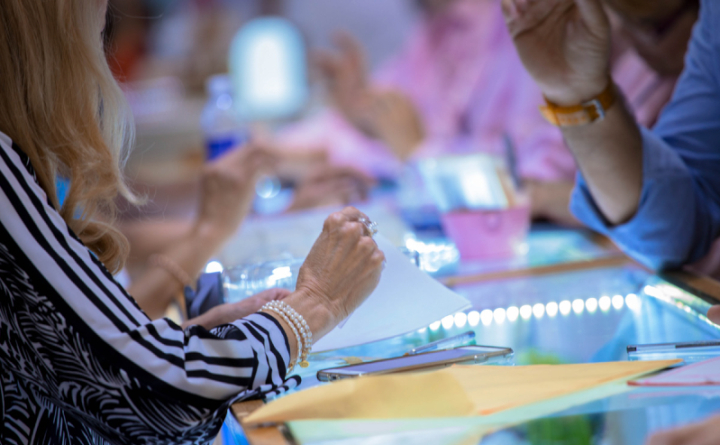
<point>418,362</point>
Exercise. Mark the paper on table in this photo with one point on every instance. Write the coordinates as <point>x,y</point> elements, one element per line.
<point>454,392</point>
<point>406,299</point>
<point>320,431</point>
<point>496,388</point>
<point>699,374</point>
<point>420,435</point>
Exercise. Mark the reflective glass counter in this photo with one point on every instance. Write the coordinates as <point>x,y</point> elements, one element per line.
<point>571,297</point>
<point>547,245</point>
<point>517,303</point>
<point>280,237</point>
<point>573,317</point>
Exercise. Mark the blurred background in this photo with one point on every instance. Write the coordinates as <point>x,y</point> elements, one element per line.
<point>168,55</point>
<point>425,101</point>
<point>165,51</point>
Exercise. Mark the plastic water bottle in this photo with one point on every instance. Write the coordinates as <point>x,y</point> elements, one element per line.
<point>245,281</point>
<point>223,130</point>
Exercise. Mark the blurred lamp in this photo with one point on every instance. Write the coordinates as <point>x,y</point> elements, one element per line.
<point>268,69</point>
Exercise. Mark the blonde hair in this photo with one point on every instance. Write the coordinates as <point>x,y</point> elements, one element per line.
<point>60,103</point>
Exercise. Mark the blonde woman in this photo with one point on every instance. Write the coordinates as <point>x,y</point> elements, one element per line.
<point>79,361</point>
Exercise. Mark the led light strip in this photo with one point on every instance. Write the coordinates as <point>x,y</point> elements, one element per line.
<point>539,310</point>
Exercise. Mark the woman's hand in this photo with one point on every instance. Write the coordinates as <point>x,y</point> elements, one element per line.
<point>227,313</point>
<point>341,271</point>
<point>296,164</point>
<point>564,44</point>
<point>386,115</point>
<point>228,191</point>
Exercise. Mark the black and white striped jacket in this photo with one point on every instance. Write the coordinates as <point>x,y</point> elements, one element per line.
<point>80,363</point>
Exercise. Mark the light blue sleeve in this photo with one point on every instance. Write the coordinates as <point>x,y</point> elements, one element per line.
<point>679,213</point>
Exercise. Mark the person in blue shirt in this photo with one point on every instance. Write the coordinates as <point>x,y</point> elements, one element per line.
<point>656,193</point>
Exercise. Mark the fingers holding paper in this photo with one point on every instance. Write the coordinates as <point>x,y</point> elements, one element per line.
<point>342,269</point>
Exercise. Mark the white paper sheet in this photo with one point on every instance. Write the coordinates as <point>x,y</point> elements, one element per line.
<point>406,299</point>
<point>268,238</point>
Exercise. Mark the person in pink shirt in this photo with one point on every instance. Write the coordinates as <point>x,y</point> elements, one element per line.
<point>458,86</point>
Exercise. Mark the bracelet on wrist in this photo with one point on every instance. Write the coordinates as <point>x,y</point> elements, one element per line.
<point>282,315</point>
<point>299,327</point>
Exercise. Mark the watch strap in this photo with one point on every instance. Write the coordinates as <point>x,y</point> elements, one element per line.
<point>583,114</point>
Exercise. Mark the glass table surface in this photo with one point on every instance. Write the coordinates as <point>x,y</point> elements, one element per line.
<point>573,317</point>
<point>281,237</point>
<point>540,307</point>
<point>546,245</point>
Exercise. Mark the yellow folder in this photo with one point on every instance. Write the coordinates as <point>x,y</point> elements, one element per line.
<point>452,392</point>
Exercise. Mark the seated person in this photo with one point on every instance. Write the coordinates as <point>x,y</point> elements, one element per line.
<point>453,89</point>
<point>81,362</point>
<point>656,193</point>
<point>177,251</point>
<point>637,175</point>
<point>458,87</point>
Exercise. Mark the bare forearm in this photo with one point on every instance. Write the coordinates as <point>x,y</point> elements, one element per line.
<point>149,237</point>
<point>609,154</point>
<point>157,288</point>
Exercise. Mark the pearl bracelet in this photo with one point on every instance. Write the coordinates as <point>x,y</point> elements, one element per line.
<point>294,329</point>
<point>299,325</point>
<point>302,327</point>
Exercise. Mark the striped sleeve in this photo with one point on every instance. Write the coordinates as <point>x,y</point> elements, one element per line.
<point>246,358</point>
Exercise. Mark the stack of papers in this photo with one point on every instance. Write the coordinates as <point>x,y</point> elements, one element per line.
<point>453,392</point>
<point>698,374</point>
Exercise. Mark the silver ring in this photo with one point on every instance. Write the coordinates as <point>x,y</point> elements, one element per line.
<point>371,226</point>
